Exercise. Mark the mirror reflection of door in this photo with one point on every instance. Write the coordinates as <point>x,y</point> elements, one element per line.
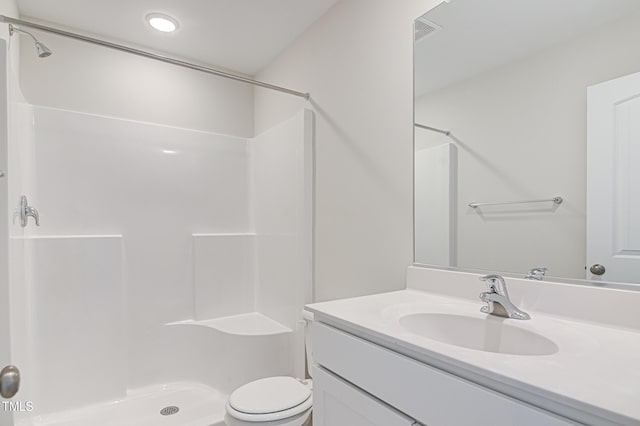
<point>509,80</point>
<point>613,180</point>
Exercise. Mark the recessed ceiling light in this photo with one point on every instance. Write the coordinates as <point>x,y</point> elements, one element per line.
<point>162,22</point>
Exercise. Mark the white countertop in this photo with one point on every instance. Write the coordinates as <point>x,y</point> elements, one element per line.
<point>596,369</point>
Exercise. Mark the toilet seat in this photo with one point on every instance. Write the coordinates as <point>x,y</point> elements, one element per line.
<point>270,399</point>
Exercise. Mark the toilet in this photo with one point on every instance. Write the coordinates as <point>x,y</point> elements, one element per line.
<point>273,401</point>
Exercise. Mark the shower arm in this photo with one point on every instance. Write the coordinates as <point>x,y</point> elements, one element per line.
<point>13,29</point>
<point>150,55</point>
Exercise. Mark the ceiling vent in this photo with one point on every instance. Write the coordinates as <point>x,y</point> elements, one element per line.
<point>424,28</point>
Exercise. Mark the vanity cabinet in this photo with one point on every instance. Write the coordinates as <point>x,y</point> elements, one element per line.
<point>358,382</point>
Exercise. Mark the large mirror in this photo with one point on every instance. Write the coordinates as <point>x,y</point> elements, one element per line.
<point>527,138</point>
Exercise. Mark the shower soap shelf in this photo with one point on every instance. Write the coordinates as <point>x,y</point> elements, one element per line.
<point>248,324</point>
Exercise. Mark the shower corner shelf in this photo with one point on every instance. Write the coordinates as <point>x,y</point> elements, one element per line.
<point>247,324</point>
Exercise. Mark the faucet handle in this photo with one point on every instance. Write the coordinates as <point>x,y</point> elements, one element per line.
<point>496,284</point>
<point>491,277</point>
<point>536,273</point>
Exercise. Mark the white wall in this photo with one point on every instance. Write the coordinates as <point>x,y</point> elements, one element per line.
<point>521,133</point>
<point>84,77</point>
<point>356,61</point>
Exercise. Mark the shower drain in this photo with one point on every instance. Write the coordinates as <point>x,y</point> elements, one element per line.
<point>168,411</point>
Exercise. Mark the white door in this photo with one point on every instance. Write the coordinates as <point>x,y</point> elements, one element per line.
<point>613,180</point>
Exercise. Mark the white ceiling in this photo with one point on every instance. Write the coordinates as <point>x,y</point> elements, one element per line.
<point>241,35</point>
<point>477,36</point>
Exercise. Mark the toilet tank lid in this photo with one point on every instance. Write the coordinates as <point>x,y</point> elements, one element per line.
<point>269,395</point>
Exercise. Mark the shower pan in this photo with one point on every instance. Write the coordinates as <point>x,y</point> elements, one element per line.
<point>169,268</point>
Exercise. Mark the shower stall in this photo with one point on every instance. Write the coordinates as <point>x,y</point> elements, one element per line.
<point>169,267</point>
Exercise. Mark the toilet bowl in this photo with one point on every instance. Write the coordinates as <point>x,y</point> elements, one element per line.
<point>274,401</point>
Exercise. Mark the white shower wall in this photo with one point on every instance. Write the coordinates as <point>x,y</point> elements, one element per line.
<point>282,202</point>
<point>156,185</point>
<point>147,233</point>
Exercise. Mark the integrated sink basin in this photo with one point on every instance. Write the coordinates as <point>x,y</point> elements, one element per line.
<point>490,334</point>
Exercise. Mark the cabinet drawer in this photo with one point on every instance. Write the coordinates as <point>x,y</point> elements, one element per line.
<point>336,402</point>
<point>429,395</point>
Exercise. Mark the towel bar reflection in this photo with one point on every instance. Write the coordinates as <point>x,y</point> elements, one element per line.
<point>433,129</point>
<point>555,200</point>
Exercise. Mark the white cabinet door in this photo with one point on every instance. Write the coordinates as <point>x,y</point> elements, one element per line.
<point>338,403</point>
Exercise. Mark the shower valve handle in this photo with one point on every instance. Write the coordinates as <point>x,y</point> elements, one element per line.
<point>24,211</point>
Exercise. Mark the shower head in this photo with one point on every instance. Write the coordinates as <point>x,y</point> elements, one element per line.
<point>43,51</point>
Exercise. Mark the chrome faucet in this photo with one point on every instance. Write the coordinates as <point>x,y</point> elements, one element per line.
<point>24,211</point>
<point>497,298</point>
<point>536,274</point>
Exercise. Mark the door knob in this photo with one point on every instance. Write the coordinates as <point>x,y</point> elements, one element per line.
<point>9,381</point>
<point>597,269</point>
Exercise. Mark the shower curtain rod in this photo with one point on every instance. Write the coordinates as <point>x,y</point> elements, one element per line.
<point>150,55</point>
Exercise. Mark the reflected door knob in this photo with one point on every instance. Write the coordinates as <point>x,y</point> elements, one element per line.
<point>9,381</point>
<point>597,269</point>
